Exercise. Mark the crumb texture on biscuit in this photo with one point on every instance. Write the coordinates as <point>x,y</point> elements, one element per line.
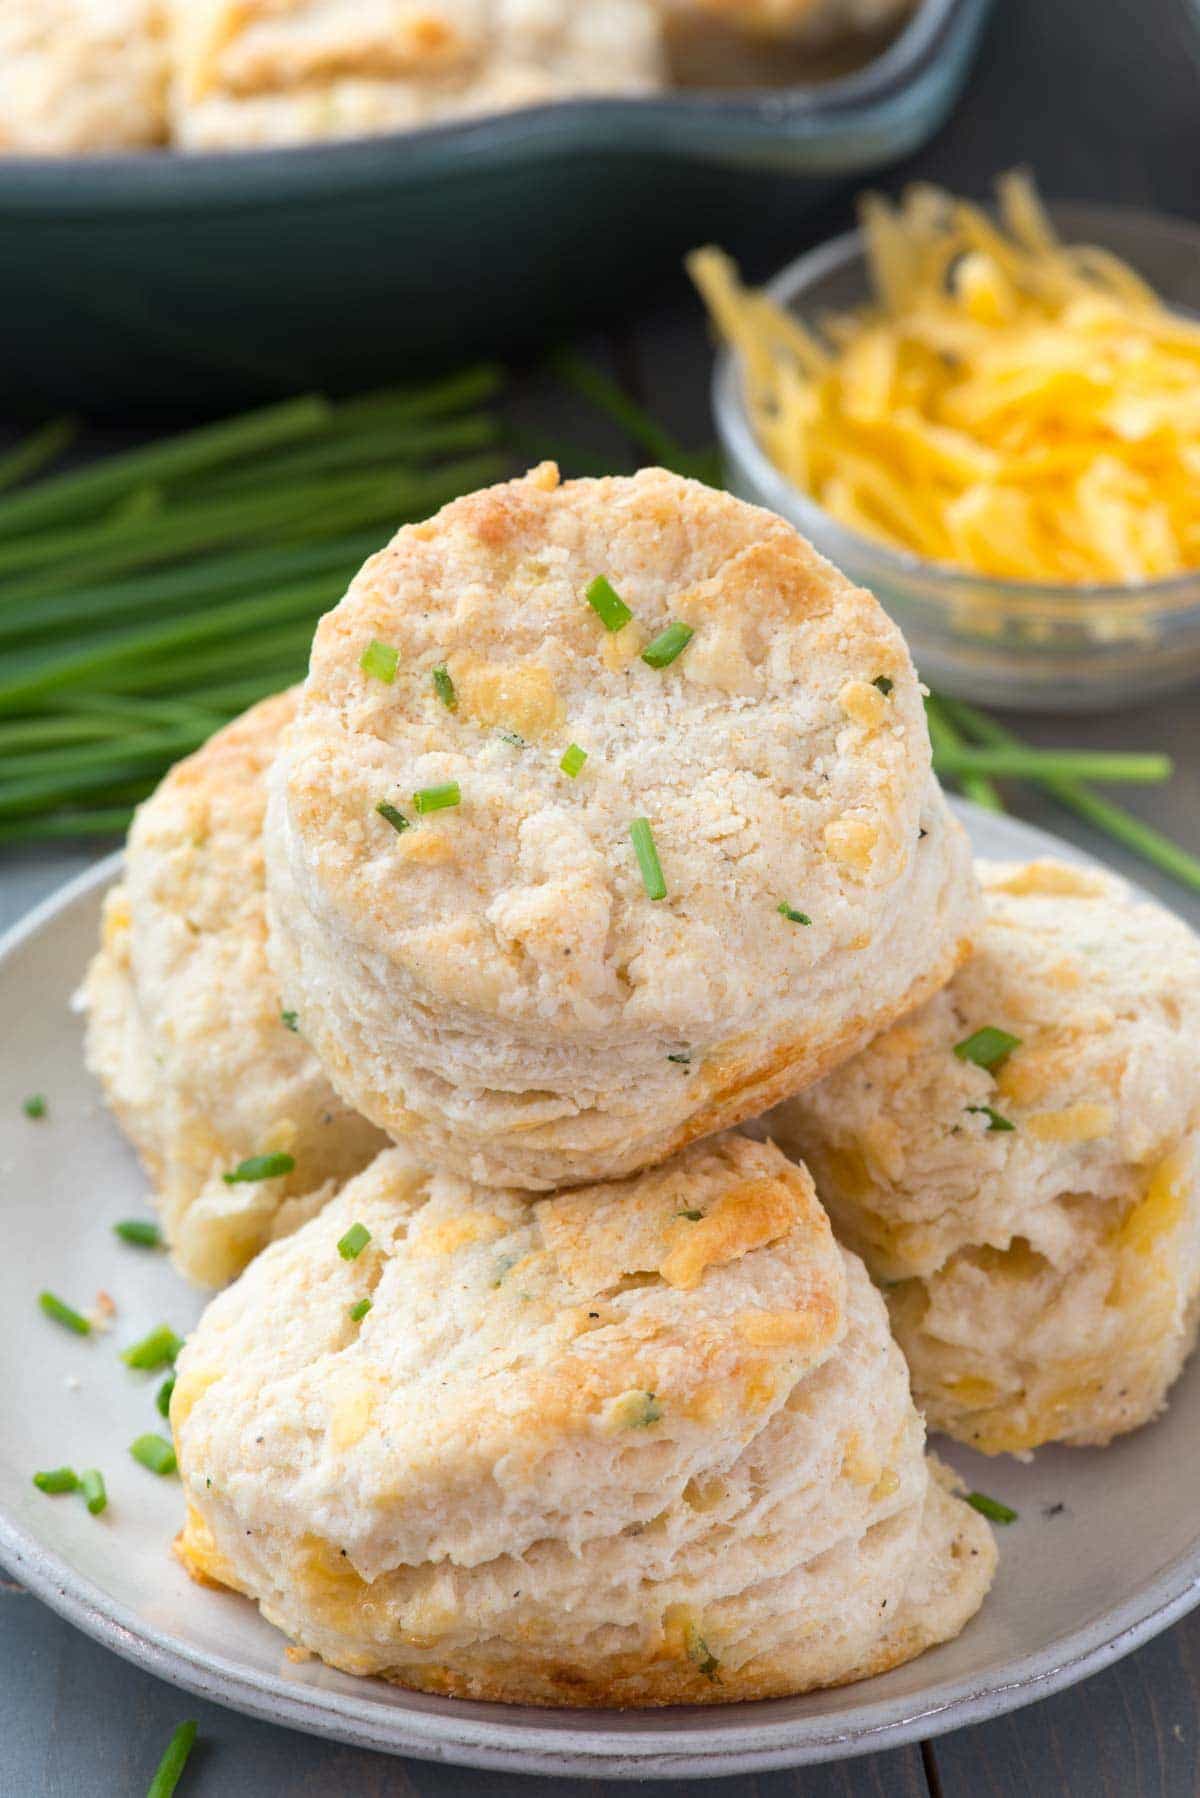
<point>493,985</point>
<point>1036,1220</point>
<point>185,1027</point>
<point>81,75</point>
<point>253,72</point>
<point>540,1469</point>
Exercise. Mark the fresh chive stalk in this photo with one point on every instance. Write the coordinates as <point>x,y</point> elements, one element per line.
<point>359,1311</point>
<point>162,1398</point>
<point>443,686</point>
<point>667,645</point>
<point>395,818</point>
<point>647,858</point>
<point>93,1490</point>
<point>154,1452</point>
<point>995,1120</point>
<point>380,661</point>
<point>607,604</point>
<point>437,799</point>
<point>1069,764</point>
<point>57,1479</point>
<point>34,1106</point>
<point>991,1508</point>
<point>792,916</point>
<point>64,1314</point>
<point>351,1245</point>
<point>139,1231</point>
<point>987,1047</point>
<point>175,1758</point>
<point>157,1349</point>
<point>260,1167</point>
<point>572,761</point>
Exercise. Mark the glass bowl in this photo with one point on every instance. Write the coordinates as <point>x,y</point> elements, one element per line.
<point>1004,642</point>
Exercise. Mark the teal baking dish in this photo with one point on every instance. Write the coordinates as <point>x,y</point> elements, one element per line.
<point>158,280</point>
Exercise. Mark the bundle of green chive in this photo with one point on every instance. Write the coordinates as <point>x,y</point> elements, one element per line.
<point>148,598</point>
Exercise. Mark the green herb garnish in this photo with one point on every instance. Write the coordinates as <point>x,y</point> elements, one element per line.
<point>437,799</point>
<point>684,1060</point>
<point>290,1020</point>
<point>648,1411</point>
<point>693,1217</point>
<point>359,1311</point>
<point>34,1106</point>
<point>443,686</point>
<point>154,1452</point>
<point>647,857</point>
<point>991,1507</point>
<point>792,916</point>
<point>573,759</point>
<point>260,1167</point>
<point>667,645</point>
<point>701,1655</point>
<point>351,1245</point>
<point>995,1121</point>
<point>396,819</point>
<point>988,1047</point>
<point>92,1490</point>
<point>57,1479</point>
<point>511,736</point>
<point>158,1349</point>
<point>139,1231</point>
<point>64,1314</point>
<point>380,661</point>
<point>608,605</point>
<point>166,1776</point>
<point>162,1398</point>
<point>883,683</point>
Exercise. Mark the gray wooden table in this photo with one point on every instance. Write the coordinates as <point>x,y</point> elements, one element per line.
<point>1102,99</point>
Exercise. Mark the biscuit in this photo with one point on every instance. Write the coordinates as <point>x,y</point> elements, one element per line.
<point>185,1029</point>
<point>644,1443</point>
<point>81,75</point>
<point>494,983</point>
<point>249,72</point>
<point>1037,1222</point>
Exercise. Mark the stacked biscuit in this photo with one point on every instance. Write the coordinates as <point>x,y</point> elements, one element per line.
<point>103,75</point>
<point>603,822</point>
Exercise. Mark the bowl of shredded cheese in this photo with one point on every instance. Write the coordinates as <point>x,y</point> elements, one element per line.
<point>990,417</point>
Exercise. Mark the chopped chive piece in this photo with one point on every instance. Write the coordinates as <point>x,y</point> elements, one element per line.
<point>510,736</point>
<point>396,819</point>
<point>608,605</point>
<point>35,1105</point>
<point>260,1167</point>
<point>995,1121</point>
<point>647,855</point>
<point>63,1314</point>
<point>380,661</point>
<point>359,1311</point>
<point>92,1490</point>
<point>988,1047</point>
<point>684,1060</point>
<point>290,1020</point>
<point>883,683</point>
<point>991,1507</point>
<point>352,1244</point>
<point>667,645</point>
<point>154,1452</point>
<point>56,1479</point>
<point>158,1349</point>
<point>693,1217</point>
<point>443,686</point>
<point>702,1656</point>
<point>140,1231</point>
<point>573,759</point>
<point>166,1776</point>
<point>437,799</point>
<point>162,1398</point>
<point>646,1411</point>
<point>793,917</point>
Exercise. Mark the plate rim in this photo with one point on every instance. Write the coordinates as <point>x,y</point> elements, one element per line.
<point>633,1745</point>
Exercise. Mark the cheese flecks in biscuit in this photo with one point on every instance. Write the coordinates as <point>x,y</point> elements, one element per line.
<point>253,72</point>
<point>549,1464</point>
<point>493,983</point>
<point>81,75</point>
<point>186,1030</point>
<point>1032,1201</point>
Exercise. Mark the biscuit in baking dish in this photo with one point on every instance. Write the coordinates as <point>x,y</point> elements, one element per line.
<point>81,75</point>
<point>495,983</point>
<point>1036,1220</point>
<point>185,1029</point>
<point>252,72</point>
<point>639,1444</point>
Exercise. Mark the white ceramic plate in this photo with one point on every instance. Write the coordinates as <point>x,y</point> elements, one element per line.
<point>1106,1551</point>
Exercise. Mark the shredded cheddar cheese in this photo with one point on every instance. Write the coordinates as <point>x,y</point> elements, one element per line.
<point>1006,403</point>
